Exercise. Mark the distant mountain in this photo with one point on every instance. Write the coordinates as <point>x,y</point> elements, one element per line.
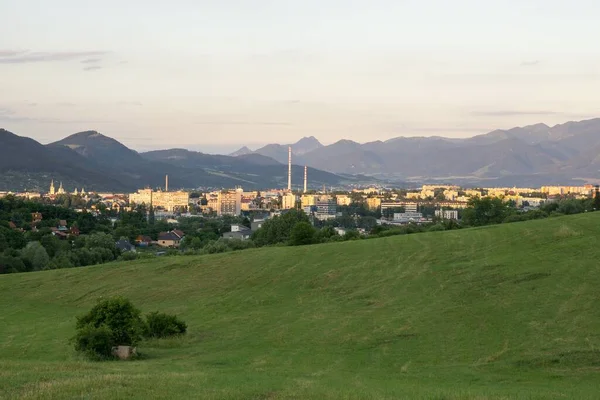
<point>248,167</point>
<point>280,152</point>
<point>97,162</point>
<point>528,154</point>
<point>241,152</point>
<point>306,145</point>
<point>27,164</point>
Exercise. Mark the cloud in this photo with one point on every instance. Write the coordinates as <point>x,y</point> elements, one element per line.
<point>129,103</point>
<point>91,60</point>
<point>249,123</point>
<point>66,104</point>
<point>92,68</point>
<point>23,57</point>
<point>509,113</point>
<point>8,115</point>
<point>10,53</point>
<point>531,63</point>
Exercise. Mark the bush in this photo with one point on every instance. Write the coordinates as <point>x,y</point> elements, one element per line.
<point>94,342</point>
<point>160,325</point>
<point>118,314</point>
<point>302,234</point>
<point>129,256</point>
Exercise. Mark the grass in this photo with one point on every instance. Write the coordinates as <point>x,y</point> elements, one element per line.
<point>503,312</point>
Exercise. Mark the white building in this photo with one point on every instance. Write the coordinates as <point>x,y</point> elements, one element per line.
<point>447,214</point>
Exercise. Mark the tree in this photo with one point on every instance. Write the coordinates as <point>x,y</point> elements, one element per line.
<point>120,316</point>
<point>278,229</point>
<point>35,255</point>
<point>303,233</point>
<point>485,211</point>
<point>597,201</point>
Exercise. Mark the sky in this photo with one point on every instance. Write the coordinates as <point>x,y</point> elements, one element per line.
<point>213,75</point>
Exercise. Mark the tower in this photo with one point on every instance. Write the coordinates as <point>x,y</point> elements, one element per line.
<point>289,168</point>
<point>166,183</point>
<point>52,190</point>
<point>305,178</point>
<point>60,189</point>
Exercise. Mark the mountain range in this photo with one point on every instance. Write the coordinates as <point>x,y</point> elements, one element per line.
<point>532,155</point>
<point>97,162</point>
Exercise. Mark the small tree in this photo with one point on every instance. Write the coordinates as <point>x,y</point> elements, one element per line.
<point>302,234</point>
<point>119,316</point>
<point>160,325</point>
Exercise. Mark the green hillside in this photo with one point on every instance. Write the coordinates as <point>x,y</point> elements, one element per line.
<point>503,312</point>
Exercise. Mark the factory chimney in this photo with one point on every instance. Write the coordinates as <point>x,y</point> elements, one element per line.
<point>166,183</point>
<point>305,178</point>
<point>290,169</point>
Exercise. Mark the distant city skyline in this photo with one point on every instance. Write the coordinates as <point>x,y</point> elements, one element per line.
<point>216,75</point>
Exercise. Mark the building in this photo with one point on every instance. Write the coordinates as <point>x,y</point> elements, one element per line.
<point>52,190</point>
<point>447,214</point>
<point>125,246</point>
<point>408,206</point>
<point>230,202</point>
<point>170,201</point>
<point>308,200</point>
<point>343,200</point>
<point>256,224</point>
<point>238,232</point>
<point>408,217</point>
<point>325,209</point>
<point>170,239</point>
<point>450,195</point>
<point>288,201</point>
<point>373,203</point>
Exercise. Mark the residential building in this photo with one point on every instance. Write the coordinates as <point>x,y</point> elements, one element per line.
<point>124,246</point>
<point>308,200</point>
<point>447,214</point>
<point>170,201</point>
<point>256,224</point>
<point>326,209</point>
<point>170,239</point>
<point>373,203</point>
<point>343,200</point>
<point>408,206</point>
<point>238,232</point>
<point>288,201</point>
<point>450,195</point>
<point>406,217</point>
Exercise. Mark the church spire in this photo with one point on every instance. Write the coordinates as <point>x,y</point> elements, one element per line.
<point>52,190</point>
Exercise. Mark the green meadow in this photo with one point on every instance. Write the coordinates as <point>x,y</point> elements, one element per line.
<point>503,312</point>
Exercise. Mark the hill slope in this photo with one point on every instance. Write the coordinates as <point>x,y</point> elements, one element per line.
<point>509,311</point>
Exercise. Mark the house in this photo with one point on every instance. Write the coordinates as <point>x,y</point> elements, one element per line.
<point>238,232</point>
<point>256,224</point>
<point>36,217</point>
<point>12,225</point>
<point>170,239</point>
<point>124,246</point>
<point>62,225</point>
<point>143,241</point>
<point>74,231</point>
<point>59,234</point>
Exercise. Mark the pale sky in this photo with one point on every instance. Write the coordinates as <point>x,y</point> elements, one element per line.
<point>213,75</point>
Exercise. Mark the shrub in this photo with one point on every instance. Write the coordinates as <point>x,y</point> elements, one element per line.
<point>160,325</point>
<point>94,342</point>
<point>129,256</point>
<point>302,234</point>
<point>119,316</point>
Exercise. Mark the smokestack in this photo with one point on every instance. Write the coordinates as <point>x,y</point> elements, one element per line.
<point>290,169</point>
<point>305,177</point>
<point>166,183</point>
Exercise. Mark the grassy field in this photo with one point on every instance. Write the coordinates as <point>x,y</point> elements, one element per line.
<point>504,312</point>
